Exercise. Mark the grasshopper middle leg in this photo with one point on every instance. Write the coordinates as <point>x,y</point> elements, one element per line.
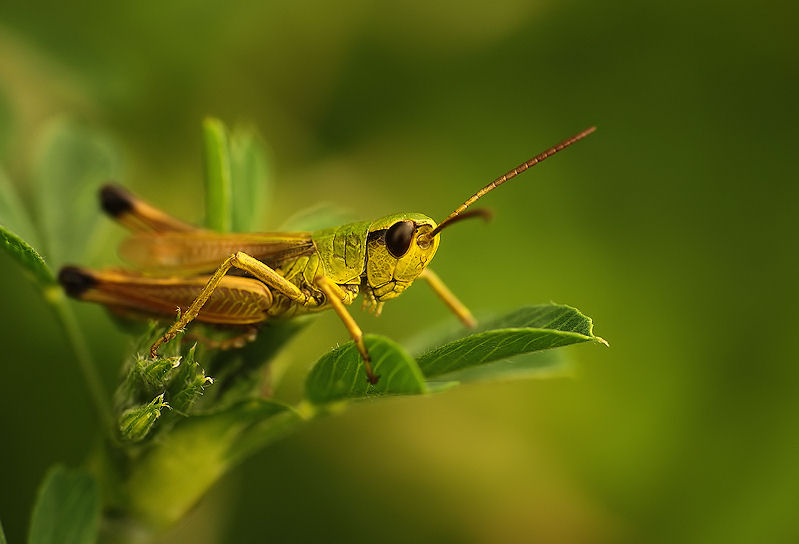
<point>336,295</point>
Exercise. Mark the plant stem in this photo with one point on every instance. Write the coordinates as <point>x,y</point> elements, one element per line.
<point>55,296</point>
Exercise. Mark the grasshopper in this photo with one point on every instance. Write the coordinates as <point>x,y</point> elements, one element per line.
<point>244,279</point>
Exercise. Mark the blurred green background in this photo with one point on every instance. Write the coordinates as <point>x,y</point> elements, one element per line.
<point>674,227</point>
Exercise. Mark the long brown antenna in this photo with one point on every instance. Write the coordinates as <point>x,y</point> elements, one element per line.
<point>510,175</point>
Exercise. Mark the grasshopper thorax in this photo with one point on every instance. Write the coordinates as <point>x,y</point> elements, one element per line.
<point>398,250</point>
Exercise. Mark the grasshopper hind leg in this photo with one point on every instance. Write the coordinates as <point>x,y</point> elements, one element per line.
<point>246,263</point>
<point>135,214</point>
<point>76,281</point>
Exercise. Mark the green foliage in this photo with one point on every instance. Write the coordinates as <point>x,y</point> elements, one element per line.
<point>251,179</point>
<point>87,156</point>
<point>536,364</point>
<point>173,380</point>
<point>174,472</point>
<point>13,214</point>
<point>525,330</point>
<point>174,430</point>
<point>218,184</point>
<point>26,256</point>
<point>340,374</point>
<point>72,163</point>
<point>67,509</point>
<point>237,180</point>
<point>188,384</point>
<point>15,228</point>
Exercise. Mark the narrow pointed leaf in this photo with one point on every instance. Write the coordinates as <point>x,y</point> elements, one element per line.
<point>528,329</point>
<point>340,373</point>
<point>251,183</point>
<point>26,256</point>
<point>67,509</point>
<point>218,182</point>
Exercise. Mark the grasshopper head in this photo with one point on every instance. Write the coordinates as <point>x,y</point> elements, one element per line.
<point>398,249</point>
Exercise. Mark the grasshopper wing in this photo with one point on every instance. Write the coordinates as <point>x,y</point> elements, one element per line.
<point>197,251</point>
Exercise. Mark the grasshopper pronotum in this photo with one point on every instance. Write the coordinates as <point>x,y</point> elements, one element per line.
<point>285,273</point>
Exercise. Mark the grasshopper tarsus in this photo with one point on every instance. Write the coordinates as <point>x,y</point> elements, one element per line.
<point>371,377</point>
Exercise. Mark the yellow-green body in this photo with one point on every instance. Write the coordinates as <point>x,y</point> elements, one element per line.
<point>354,257</point>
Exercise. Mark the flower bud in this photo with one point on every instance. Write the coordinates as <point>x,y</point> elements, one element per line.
<point>135,423</point>
<point>188,384</point>
<point>156,373</point>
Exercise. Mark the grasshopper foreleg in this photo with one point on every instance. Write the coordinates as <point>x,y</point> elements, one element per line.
<point>449,299</point>
<point>244,262</point>
<point>336,295</point>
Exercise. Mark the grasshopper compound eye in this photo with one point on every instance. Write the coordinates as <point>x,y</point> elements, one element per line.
<point>398,238</point>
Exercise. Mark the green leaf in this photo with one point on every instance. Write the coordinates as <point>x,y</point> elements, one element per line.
<point>67,508</point>
<point>13,214</point>
<point>171,476</point>
<point>218,179</point>
<point>537,364</point>
<point>251,182</point>
<point>339,374</point>
<point>72,163</point>
<point>26,256</point>
<point>528,329</point>
<point>2,534</point>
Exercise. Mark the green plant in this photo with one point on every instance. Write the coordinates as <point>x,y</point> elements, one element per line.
<point>171,430</point>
